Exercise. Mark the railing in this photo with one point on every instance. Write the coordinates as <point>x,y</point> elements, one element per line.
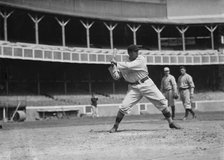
<point>29,51</point>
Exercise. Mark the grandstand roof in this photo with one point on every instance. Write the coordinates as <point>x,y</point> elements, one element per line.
<point>152,11</point>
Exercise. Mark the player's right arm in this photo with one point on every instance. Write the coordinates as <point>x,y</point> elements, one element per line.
<point>115,73</point>
<point>174,84</point>
<point>161,85</point>
<point>137,64</point>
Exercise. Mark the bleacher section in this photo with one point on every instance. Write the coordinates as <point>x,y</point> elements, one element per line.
<point>30,51</point>
<point>56,100</point>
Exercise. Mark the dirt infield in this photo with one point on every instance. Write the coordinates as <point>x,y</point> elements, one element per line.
<point>139,137</point>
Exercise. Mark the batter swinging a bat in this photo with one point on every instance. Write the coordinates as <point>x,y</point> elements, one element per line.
<point>135,72</point>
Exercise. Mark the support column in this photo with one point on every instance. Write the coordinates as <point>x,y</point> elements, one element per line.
<point>134,29</point>
<point>211,30</point>
<point>36,21</point>
<point>38,83</point>
<point>114,90</point>
<point>90,82</point>
<point>62,24</point>
<point>111,28</point>
<point>5,16</point>
<point>7,86</point>
<point>221,77</point>
<point>182,31</point>
<point>87,25</point>
<point>158,31</point>
<point>65,84</point>
<point>7,81</point>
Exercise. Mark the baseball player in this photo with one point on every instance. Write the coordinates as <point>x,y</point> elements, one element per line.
<point>186,89</point>
<point>94,105</point>
<point>169,89</point>
<point>135,72</point>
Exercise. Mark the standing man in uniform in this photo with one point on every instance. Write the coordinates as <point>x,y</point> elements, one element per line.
<point>169,89</point>
<point>135,72</point>
<point>94,105</point>
<point>186,90</point>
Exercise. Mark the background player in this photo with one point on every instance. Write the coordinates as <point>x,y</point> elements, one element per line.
<point>169,89</point>
<point>94,105</point>
<point>186,90</point>
<point>135,72</point>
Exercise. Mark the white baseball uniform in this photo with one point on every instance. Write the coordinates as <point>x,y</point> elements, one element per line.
<point>168,88</point>
<point>185,83</point>
<point>133,72</point>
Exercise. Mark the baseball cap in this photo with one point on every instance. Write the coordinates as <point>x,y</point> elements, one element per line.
<point>182,67</point>
<point>133,48</point>
<point>166,69</point>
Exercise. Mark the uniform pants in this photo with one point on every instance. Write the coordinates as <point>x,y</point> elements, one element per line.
<point>185,98</point>
<point>147,89</point>
<point>169,96</point>
<point>94,111</point>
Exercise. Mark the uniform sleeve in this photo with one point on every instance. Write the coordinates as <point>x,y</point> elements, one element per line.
<point>178,83</point>
<point>174,84</point>
<point>133,65</point>
<point>190,82</point>
<point>161,86</point>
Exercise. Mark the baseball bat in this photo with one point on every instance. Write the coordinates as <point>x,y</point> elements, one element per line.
<point>114,53</point>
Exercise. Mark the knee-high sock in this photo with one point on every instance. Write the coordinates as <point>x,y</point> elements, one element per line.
<point>119,118</point>
<point>192,112</point>
<point>173,111</point>
<point>167,115</point>
<point>186,112</point>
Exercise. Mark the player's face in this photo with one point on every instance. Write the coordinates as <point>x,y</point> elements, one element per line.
<point>182,71</point>
<point>166,73</point>
<point>133,55</point>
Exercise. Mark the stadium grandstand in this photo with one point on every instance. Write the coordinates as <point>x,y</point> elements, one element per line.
<point>56,52</point>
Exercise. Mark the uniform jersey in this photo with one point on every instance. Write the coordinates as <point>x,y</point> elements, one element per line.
<point>133,71</point>
<point>94,101</point>
<point>185,81</point>
<point>168,83</point>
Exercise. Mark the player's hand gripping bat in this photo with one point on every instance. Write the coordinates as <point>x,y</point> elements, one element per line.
<point>113,68</point>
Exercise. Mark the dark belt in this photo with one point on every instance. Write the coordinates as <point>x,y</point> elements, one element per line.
<point>183,88</point>
<point>139,82</point>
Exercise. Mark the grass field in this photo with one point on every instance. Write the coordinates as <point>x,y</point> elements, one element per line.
<point>145,137</point>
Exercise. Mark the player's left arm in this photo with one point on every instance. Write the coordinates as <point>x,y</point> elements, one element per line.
<point>191,85</point>
<point>174,88</point>
<point>161,85</point>
<point>115,72</point>
<point>137,64</point>
<point>174,84</point>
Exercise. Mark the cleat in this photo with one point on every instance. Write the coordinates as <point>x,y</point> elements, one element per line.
<point>194,117</point>
<point>114,129</point>
<point>174,126</point>
<point>1,127</point>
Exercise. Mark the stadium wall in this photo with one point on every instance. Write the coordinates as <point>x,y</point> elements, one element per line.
<point>108,110</point>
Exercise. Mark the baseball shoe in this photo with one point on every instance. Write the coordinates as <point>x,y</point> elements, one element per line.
<point>184,119</point>
<point>1,127</point>
<point>194,117</point>
<point>175,126</point>
<point>114,129</point>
